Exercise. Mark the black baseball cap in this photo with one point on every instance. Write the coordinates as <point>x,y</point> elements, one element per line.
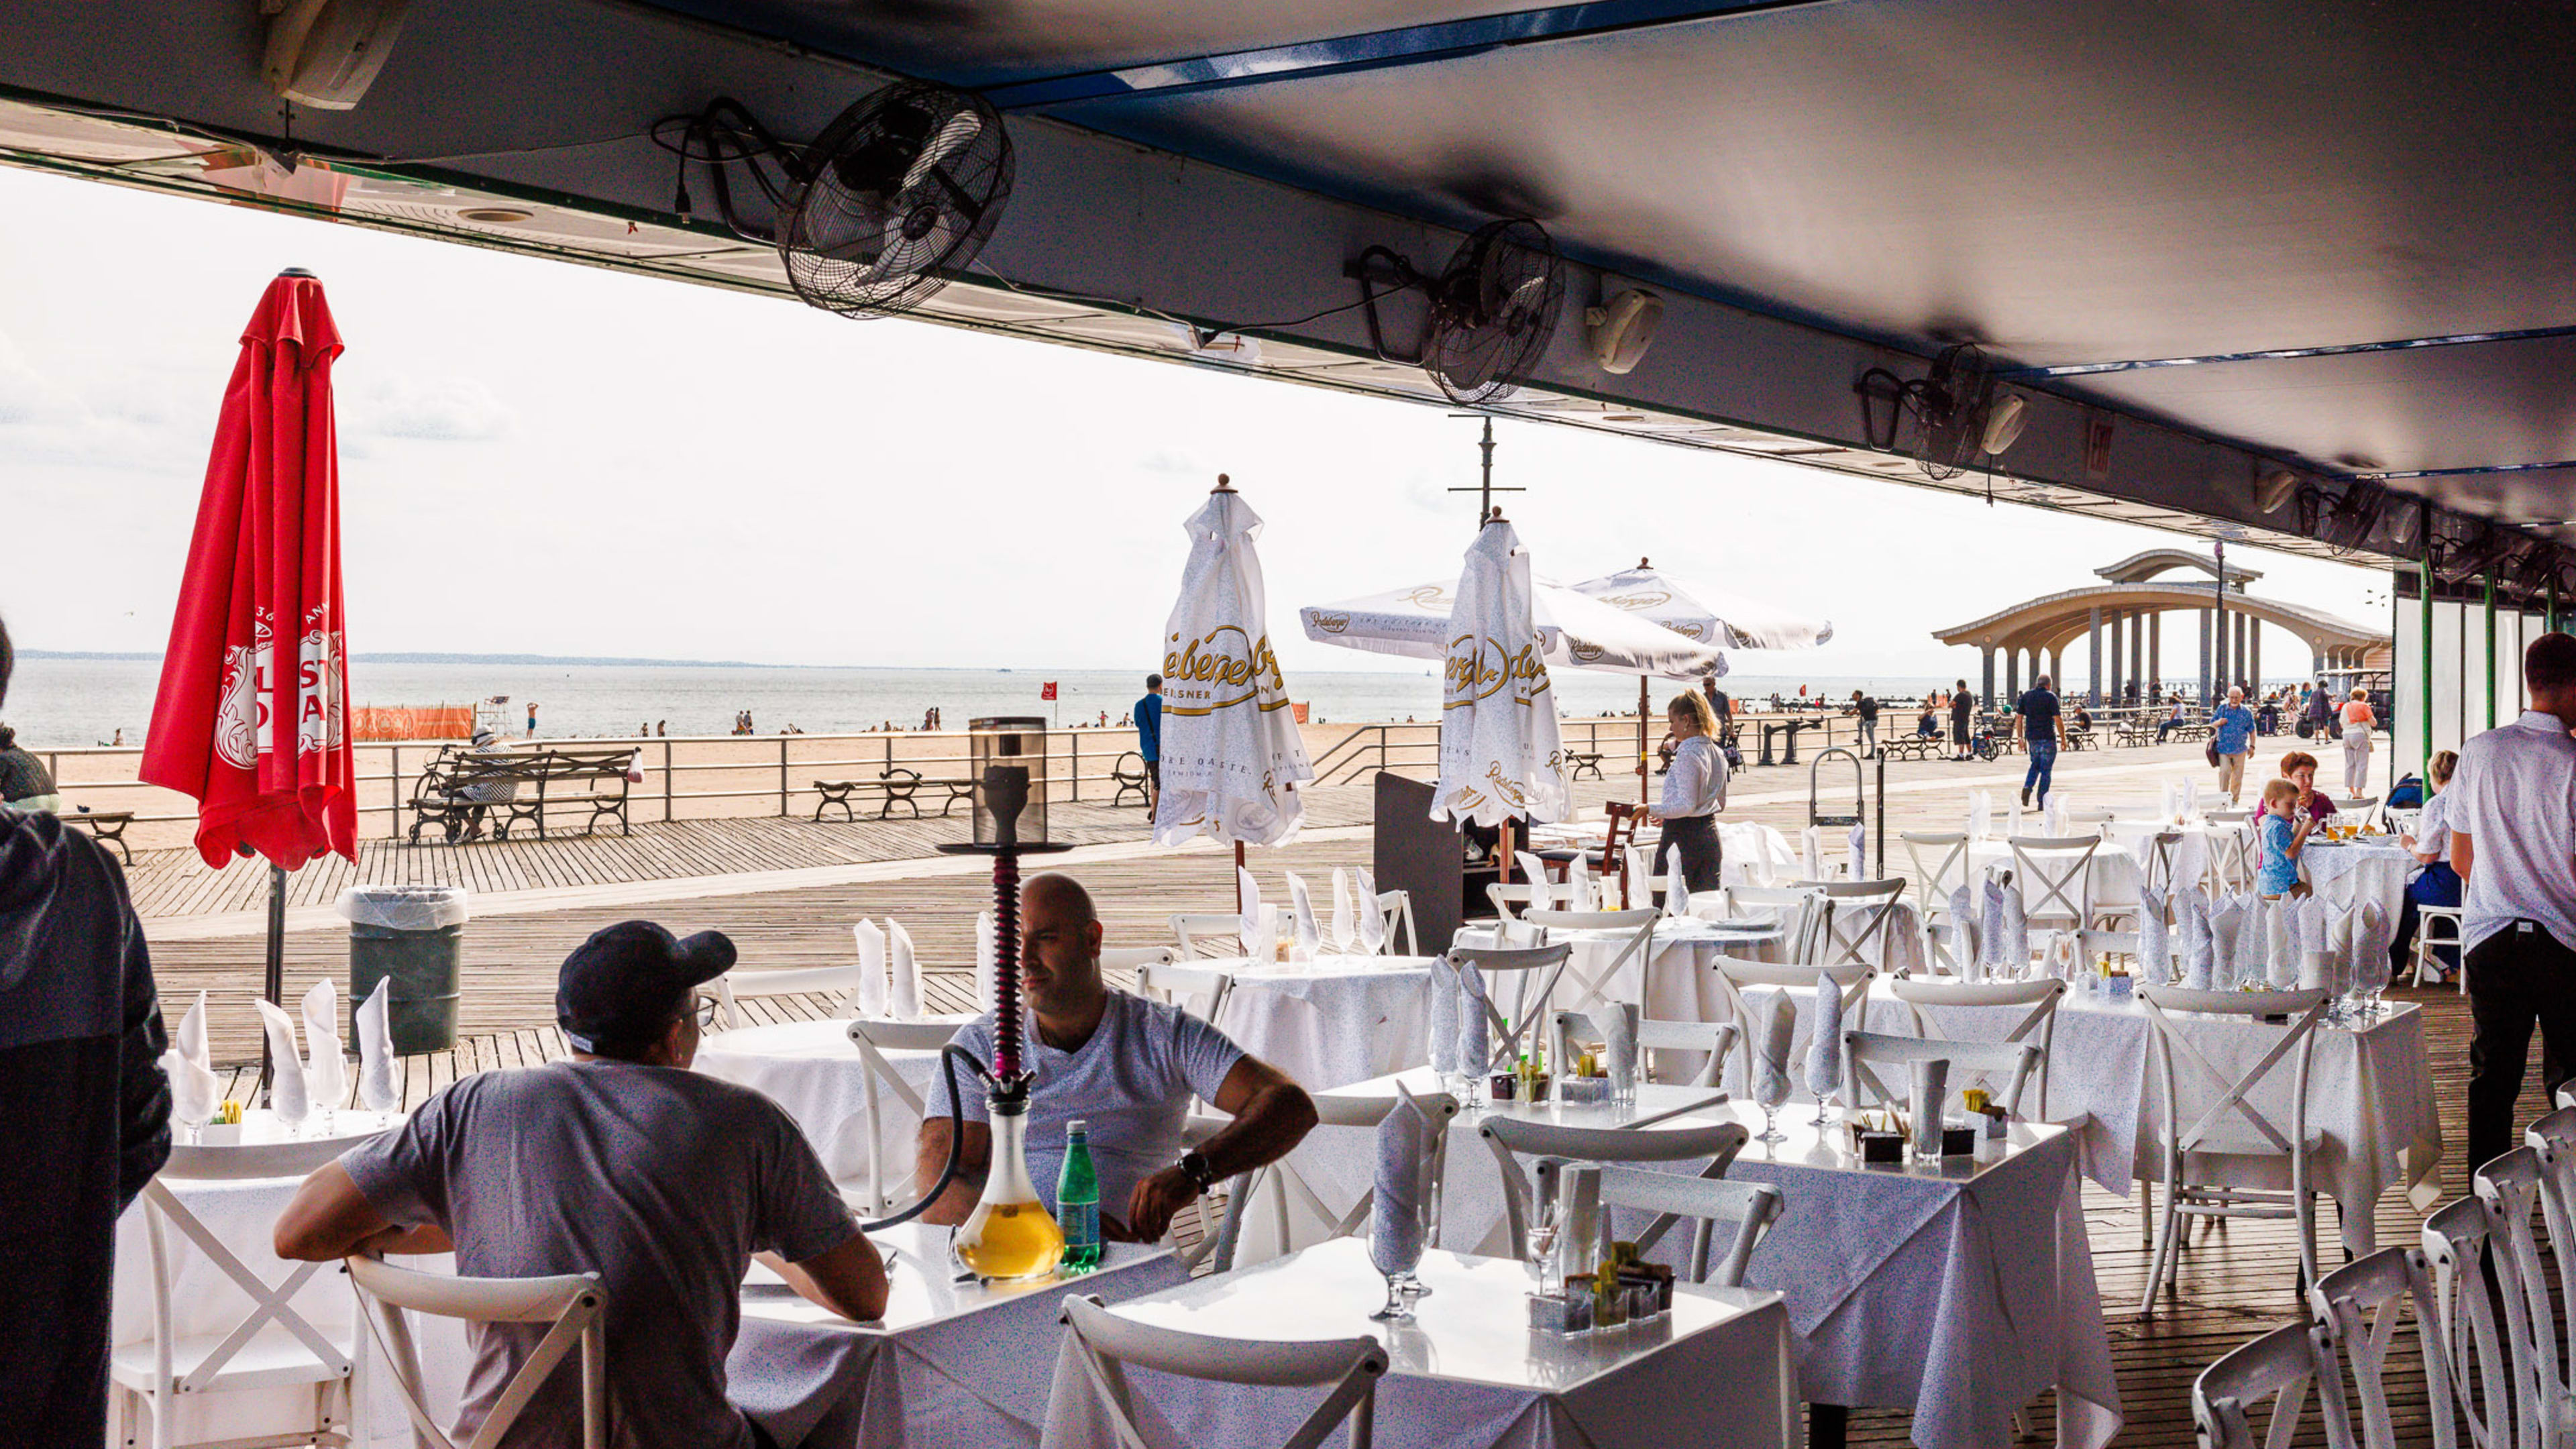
<point>619,989</point>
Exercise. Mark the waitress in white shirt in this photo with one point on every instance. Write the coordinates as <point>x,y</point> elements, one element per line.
<point>1694,791</point>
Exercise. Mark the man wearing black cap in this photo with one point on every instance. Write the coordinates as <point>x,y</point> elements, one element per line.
<point>621,1162</point>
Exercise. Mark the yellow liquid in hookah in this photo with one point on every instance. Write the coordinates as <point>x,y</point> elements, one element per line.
<point>1009,1241</point>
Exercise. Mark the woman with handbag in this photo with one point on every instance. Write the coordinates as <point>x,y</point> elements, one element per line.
<point>2357,720</point>
<point>1694,791</point>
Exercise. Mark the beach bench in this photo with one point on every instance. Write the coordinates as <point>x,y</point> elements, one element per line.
<point>893,786</point>
<point>1916,747</point>
<point>1583,762</point>
<point>107,826</point>
<point>1129,781</point>
<point>459,788</point>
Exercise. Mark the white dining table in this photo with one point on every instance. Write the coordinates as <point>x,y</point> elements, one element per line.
<point>1679,978</point>
<point>2351,872</point>
<point>1330,1021</point>
<point>811,1069</point>
<point>1467,1372</point>
<point>1959,1290</point>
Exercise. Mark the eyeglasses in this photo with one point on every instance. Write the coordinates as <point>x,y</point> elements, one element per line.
<point>707,1009</point>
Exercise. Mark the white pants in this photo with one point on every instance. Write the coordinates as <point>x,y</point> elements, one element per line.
<point>2356,761</point>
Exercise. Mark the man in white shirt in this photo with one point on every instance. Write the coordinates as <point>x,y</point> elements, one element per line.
<point>2513,841</point>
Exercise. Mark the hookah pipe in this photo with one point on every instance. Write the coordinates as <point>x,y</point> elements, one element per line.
<point>1008,1080</point>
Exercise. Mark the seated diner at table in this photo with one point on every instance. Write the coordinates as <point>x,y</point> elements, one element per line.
<point>2435,883</point>
<point>621,1162</point>
<point>2300,768</point>
<point>1126,1066</point>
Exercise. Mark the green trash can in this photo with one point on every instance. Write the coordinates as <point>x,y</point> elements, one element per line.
<point>412,937</point>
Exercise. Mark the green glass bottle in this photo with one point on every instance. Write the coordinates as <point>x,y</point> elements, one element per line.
<point>1077,1200</point>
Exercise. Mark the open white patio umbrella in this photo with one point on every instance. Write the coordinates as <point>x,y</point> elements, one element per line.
<point>1231,755</point>
<point>1501,757</point>
<point>1711,616</point>
<point>1574,631</point>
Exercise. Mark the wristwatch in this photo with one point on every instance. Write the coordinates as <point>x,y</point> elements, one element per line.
<point>1195,1166</point>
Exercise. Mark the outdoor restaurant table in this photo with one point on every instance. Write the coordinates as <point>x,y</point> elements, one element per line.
<point>811,1069</point>
<point>206,1302</point>
<point>1467,1372</point>
<point>1959,1289</point>
<point>2370,1092</point>
<point>1340,1163</point>
<point>1759,848</point>
<point>950,1364</point>
<point>1334,1020</point>
<point>1680,976</point>
<point>2350,872</point>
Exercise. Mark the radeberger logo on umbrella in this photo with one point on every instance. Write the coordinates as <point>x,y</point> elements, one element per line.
<point>1478,668</point>
<point>1228,667</point>
<point>241,703</point>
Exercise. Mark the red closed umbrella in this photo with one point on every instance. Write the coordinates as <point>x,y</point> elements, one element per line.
<point>252,715</point>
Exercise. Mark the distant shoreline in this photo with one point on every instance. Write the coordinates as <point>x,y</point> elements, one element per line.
<point>606,662</point>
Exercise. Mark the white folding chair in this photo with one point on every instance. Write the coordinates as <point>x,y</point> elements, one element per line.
<point>2156,871</point>
<point>2363,808</point>
<point>1511,900</point>
<point>2055,873</point>
<point>1868,1054</point>
<point>273,1346</point>
<point>2358,1305</point>
<point>1735,977</point>
<point>877,1078</point>
<point>2512,1188</point>
<point>2278,1366</point>
<point>740,985</point>
<point>1199,990</point>
<point>2039,1021</point>
<point>1745,1210</point>
<point>2459,1247</point>
<point>1711,1041</point>
<point>1208,935</point>
<point>1106,1345</point>
<point>1581,989</point>
<point>1532,973</point>
<point>2231,848</point>
<point>1511,1139</point>
<point>1857,917</point>
<point>2090,817</point>
<point>1396,908</point>
<point>2553,1137</point>
<point>1545,894</point>
<point>2196,1158</point>
<point>2448,917</point>
<point>1948,871</point>
<point>571,1306</point>
<point>1801,911</point>
<point>1292,1202</point>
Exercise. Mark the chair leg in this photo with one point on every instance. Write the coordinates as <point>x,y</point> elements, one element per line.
<point>2164,1257</point>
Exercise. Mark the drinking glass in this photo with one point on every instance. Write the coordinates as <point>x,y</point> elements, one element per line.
<point>1770,1090</point>
<point>193,1111</point>
<point>1541,1243</point>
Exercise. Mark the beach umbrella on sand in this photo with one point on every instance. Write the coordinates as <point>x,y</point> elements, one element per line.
<point>1501,757</point>
<point>1231,758</point>
<point>251,718</point>
<point>1710,616</point>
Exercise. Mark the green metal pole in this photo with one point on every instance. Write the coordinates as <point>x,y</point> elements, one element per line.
<point>2489,673</point>
<point>2424,573</point>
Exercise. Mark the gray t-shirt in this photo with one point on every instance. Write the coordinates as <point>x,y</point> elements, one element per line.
<point>662,1181</point>
<point>1132,1082</point>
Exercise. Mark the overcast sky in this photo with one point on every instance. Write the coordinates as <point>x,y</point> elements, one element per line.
<point>542,458</point>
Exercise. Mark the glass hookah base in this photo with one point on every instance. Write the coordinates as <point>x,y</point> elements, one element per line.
<point>1010,1242</point>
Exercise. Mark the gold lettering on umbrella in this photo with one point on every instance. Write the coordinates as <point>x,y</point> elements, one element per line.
<point>1220,670</point>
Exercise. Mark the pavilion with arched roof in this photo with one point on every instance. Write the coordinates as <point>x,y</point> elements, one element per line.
<point>2129,608</point>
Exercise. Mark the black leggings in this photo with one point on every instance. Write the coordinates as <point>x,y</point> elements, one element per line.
<point>1695,836</point>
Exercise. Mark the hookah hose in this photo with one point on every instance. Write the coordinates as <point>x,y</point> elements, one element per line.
<point>949,1056</point>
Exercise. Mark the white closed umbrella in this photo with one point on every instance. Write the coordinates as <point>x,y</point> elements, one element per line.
<point>1501,756</point>
<point>1232,759</point>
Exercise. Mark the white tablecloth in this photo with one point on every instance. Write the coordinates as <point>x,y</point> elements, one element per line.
<point>1959,1291</point>
<point>2112,875</point>
<point>2349,873</point>
<point>1466,1373</point>
<point>1680,963</point>
<point>810,1069</point>
<point>1341,1019</point>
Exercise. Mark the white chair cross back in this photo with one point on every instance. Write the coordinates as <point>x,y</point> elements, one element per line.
<point>1866,1052</point>
<point>1208,934</point>
<point>2279,1367</point>
<point>1735,977</point>
<point>1396,908</point>
<point>2055,873</point>
<point>877,1076</point>
<point>2459,1245</point>
<point>1858,917</point>
<point>153,1377</point>
<point>2513,1186</point>
<point>1532,996</point>
<point>1745,1209</point>
<point>1294,1201</point>
<point>1512,1138</point>
<point>1949,871</point>
<point>2213,1136</point>
<point>1712,1041</point>
<point>1199,990</point>
<point>2231,849</point>
<point>571,1304</point>
<point>1105,1344</point>
<point>2042,999</point>
<point>1801,911</point>
<point>2359,1305</point>
<point>1595,988</point>
<point>740,985</point>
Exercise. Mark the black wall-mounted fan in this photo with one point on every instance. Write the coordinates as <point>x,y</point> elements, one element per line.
<point>896,196</point>
<point>1491,311</point>
<point>1959,412</point>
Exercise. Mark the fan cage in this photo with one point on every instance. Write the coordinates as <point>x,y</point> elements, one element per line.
<point>1493,311</point>
<point>863,238</point>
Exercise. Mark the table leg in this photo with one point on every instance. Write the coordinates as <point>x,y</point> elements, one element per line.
<point>1827,1425</point>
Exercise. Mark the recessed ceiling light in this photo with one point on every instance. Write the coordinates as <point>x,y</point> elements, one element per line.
<point>497,215</point>
<point>1623,417</point>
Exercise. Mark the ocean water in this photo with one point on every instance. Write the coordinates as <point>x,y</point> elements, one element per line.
<point>68,703</point>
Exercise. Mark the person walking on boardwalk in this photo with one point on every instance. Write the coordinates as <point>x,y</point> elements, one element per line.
<point>1149,740</point>
<point>2040,723</point>
<point>1963,706</point>
<point>2513,841</point>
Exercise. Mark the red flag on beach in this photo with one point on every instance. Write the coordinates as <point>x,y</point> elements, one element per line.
<point>252,714</point>
<point>1047,690</point>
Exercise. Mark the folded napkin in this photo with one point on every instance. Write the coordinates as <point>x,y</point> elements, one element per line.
<point>1641,876</point>
<point>988,965</point>
<point>2172,808</point>
<point>2015,956</point>
<point>377,1091</point>
<point>2313,923</point>
<point>1475,1031</point>
<point>2015,828</point>
<point>192,1082</point>
<point>1372,919</point>
<point>1825,1048</point>
<point>287,1096</point>
<point>1990,926</point>
<point>1619,1039</point>
<point>2190,798</point>
<point>1856,853</point>
<point>1346,922</point>
<point>1963,933</point>
<point>2226,927</point>
<point>2281,945</point>
<point>1309,939</point>
<point>1811,855</point>
<point>2371,964</point>
<point>2191,859</point>
<point>2253,965</point>
<point>872,967</point>
<point>1981,814</point>
<point>1775,1026</point>
<point>2155,952</point>
<point>1443,1014</point>
<point>326,1066</point>
<point>1405,1138</point>
<point>2347,963</point>
<point>1676,891</point>
<point>903,995</point>
<point>2054,813</point>
<point>1578,885</point>
<point>1247,900</point>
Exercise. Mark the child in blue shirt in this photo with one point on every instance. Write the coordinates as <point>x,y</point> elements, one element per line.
<point>2283,829</point>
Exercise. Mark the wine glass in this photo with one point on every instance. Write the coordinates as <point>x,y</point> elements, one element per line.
<point>1396,1262</point>
<point>1541,1243</point>
<point>1770,1090</point>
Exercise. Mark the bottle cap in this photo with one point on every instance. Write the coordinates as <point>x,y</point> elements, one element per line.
<point>1076,1125</point>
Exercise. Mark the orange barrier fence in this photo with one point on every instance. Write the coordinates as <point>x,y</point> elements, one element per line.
<point>408,722</point>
